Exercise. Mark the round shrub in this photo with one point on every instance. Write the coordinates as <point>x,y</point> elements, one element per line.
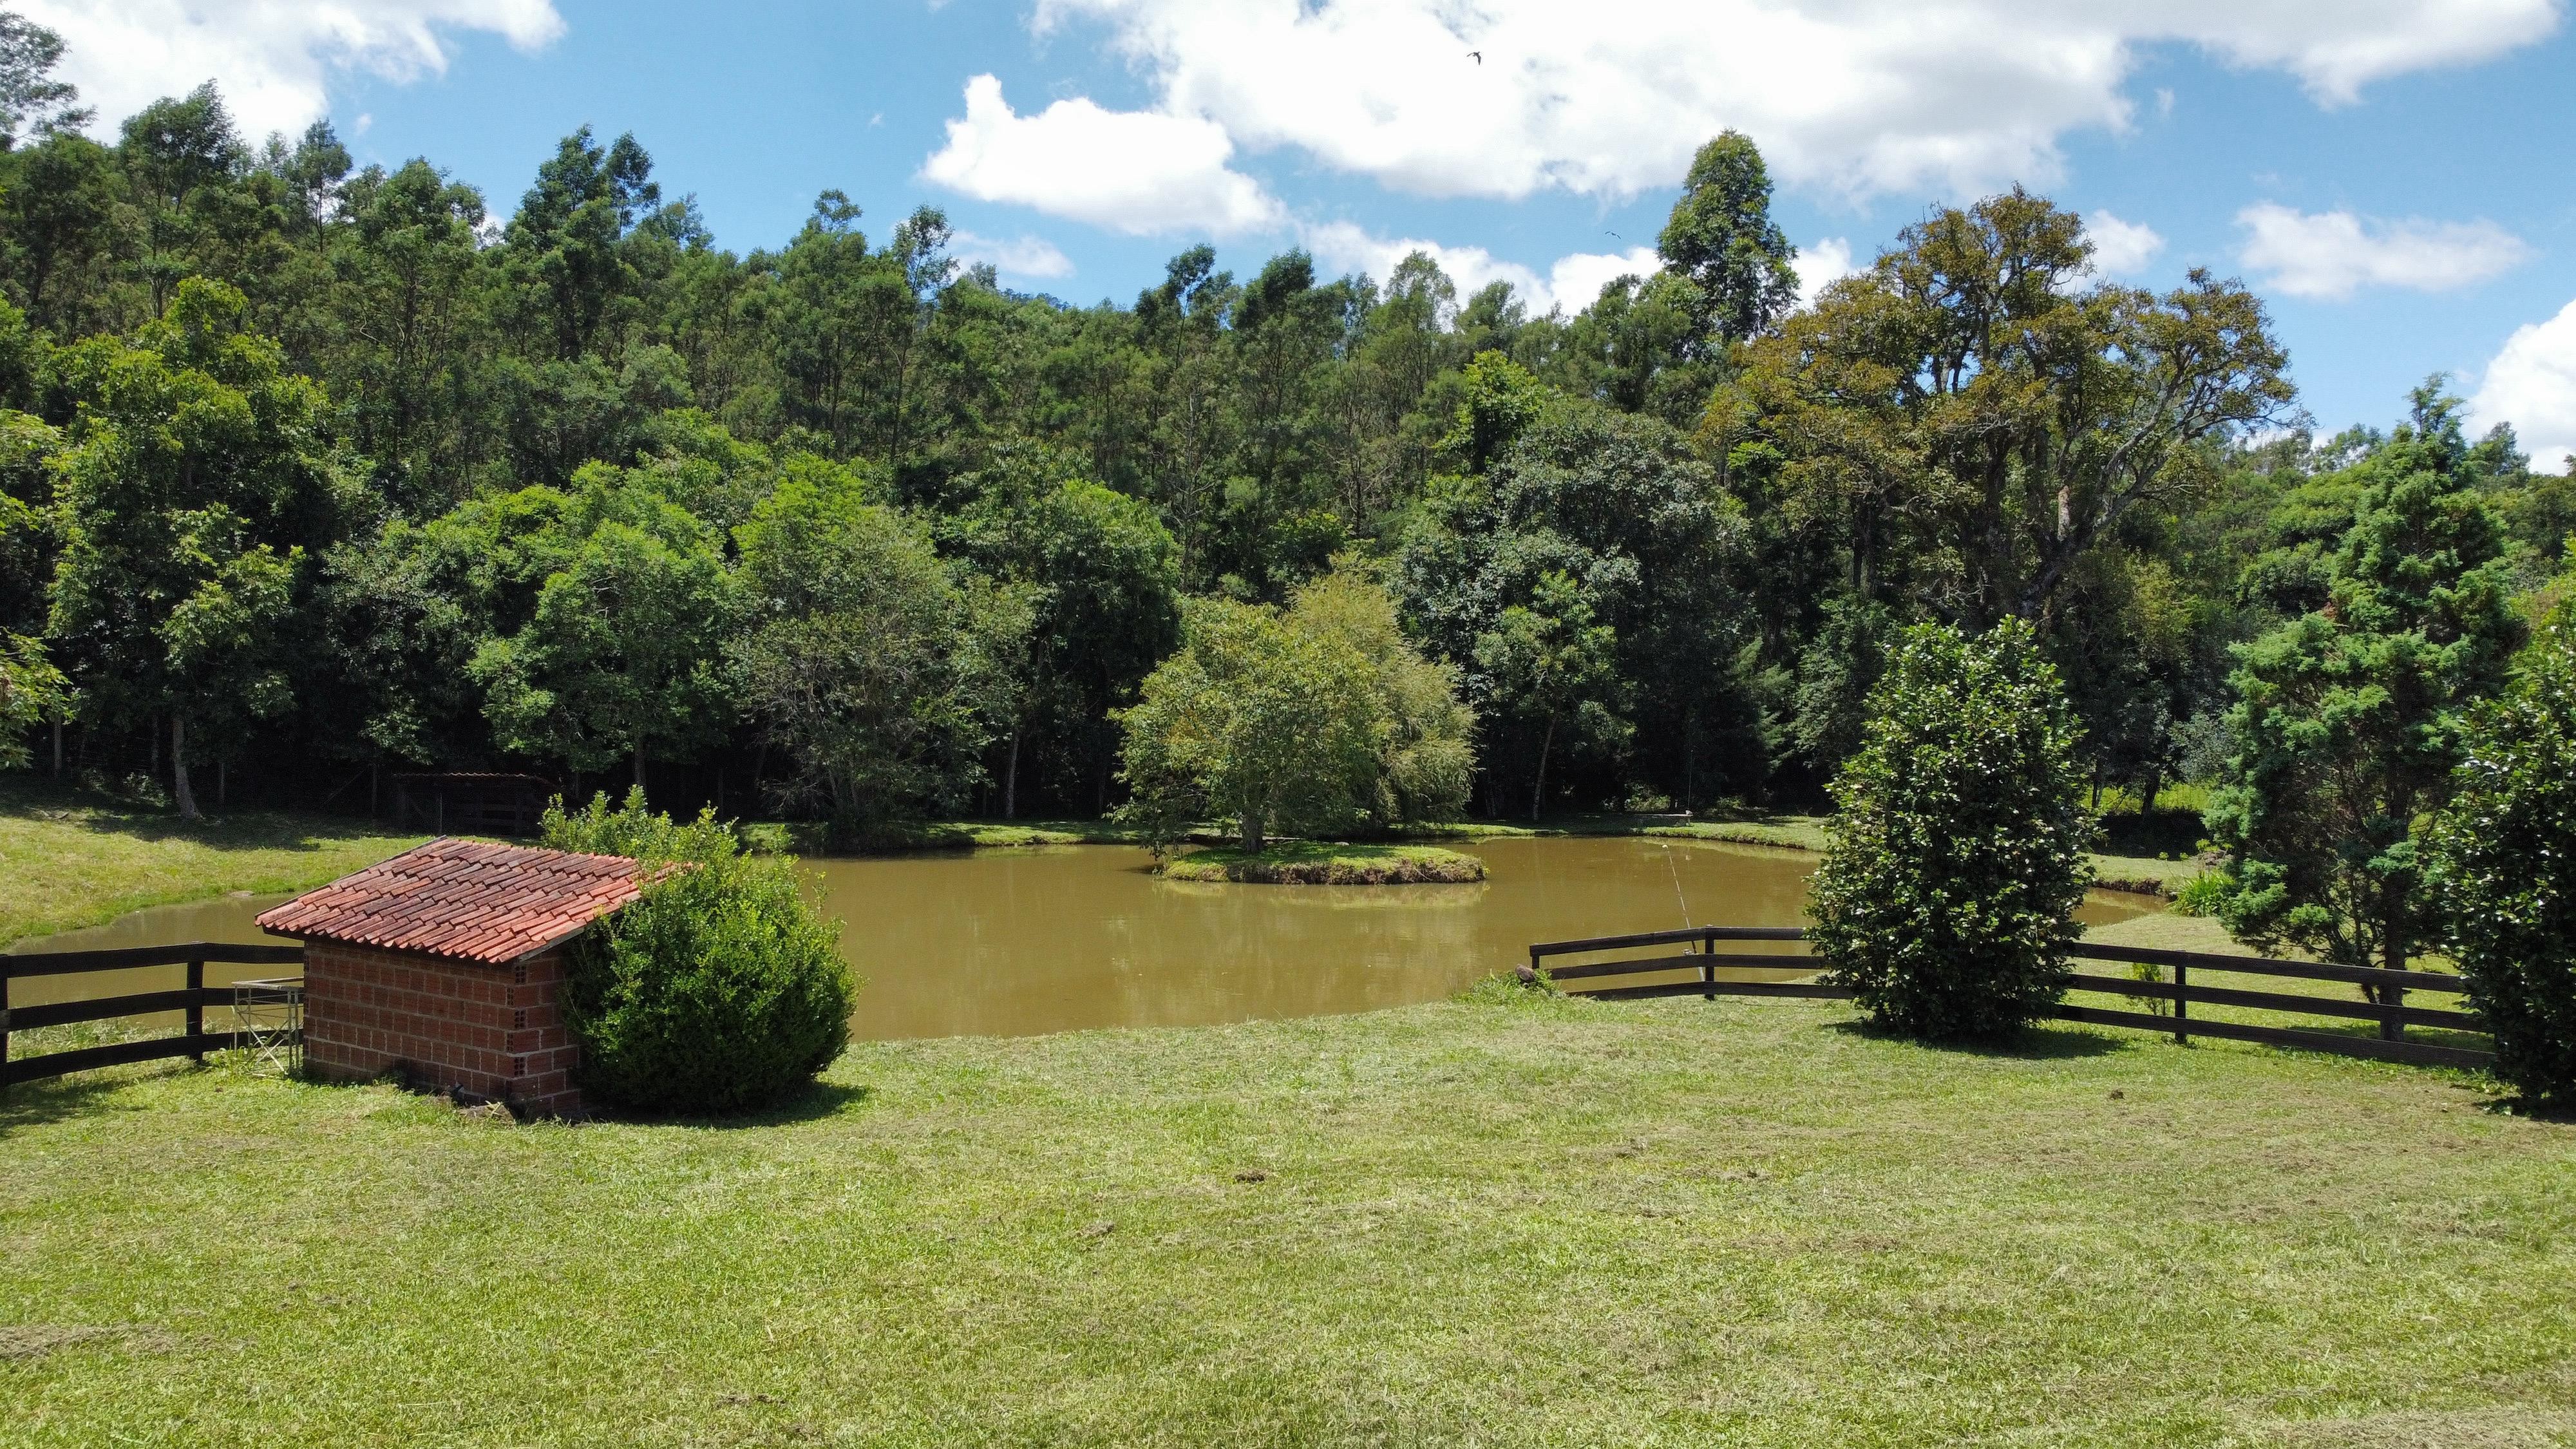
<point>2504,865</point>
<point>1956,856</point>
<point>719,990</point>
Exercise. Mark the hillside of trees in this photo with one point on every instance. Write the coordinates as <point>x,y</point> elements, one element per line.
<point>310,473</point>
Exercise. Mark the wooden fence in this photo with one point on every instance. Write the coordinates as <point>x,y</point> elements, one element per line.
<point>193,999</point>
<point>1702,958</point>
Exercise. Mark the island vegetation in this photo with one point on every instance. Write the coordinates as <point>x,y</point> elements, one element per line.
<point>1306,862</point>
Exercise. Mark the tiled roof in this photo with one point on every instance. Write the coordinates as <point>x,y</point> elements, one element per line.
<point>463,898</point>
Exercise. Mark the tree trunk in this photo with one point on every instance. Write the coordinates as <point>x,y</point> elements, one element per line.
<point>639,764</point>
<point>2147,792</point>
<point>1011,780</point>
<point>58,745</point>
<point>1252,832</point>
<point>179,768</point>
<point>1538,790</point>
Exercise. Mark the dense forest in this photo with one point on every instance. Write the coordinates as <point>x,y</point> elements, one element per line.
<point>312,473</point>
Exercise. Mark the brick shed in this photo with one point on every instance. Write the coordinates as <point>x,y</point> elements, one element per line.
<point>445,964</point>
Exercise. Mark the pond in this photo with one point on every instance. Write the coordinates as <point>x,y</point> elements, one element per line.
<point>1021,941</point>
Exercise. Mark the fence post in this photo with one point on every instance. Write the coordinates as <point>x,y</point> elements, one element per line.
<point>4,1024</point>
<point>197,1008</point>
<point>2392,1021</point>
<point>2182,1004</point>
<point>1708,969</point>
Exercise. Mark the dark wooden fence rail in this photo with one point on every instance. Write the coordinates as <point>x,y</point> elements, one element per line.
<point>2391,1012</point>
<point>192,998</point>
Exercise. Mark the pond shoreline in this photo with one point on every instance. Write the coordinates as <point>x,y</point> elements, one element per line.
<point>2125,874</point>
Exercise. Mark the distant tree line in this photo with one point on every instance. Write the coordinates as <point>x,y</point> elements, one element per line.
<point>310,471</point>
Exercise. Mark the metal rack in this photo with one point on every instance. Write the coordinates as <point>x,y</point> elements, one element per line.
<point>268,1023</point>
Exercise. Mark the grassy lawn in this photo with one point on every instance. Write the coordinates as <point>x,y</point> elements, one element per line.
<point>1312,862</point>
<point>1507,1221</point>
<point>69,859</point>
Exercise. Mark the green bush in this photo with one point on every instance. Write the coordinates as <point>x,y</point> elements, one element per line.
<point>721,989</point>
<point>2504,867</point>
<point>1956,856</point>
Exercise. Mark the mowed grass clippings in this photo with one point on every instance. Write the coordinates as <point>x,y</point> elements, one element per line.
<point>69,859</point>
<point>1535,1222</point>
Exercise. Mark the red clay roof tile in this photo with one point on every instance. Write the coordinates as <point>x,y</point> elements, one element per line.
<point>463,898</point>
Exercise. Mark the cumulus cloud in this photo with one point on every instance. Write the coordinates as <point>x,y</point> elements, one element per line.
<point>1575,282</point>
<point>1821,265</point>
<point>1610,97</point>
<point>1343,247</point>
<point>1025,256</point>
<point>272,59</point>
<point>1138,172</point>
<point>2332,254</point>
<point>2532,385</point>
<point>1572,283</point>
<point>2120,247</point>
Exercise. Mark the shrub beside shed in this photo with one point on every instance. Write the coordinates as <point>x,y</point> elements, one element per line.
<point>446,964</point>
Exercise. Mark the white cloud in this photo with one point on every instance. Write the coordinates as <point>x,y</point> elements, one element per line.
<point>1858,96</point>
<point>1820,266</point>
<point>1575,282</point>
<point>2532,385</point>
<point>1026,256</point>
<point>272,59</point>
<point>2332,254</point>
<point>1572,283</point>
<point>1343,247</point>
<point>1137,172</point>
<point>2120,247</point>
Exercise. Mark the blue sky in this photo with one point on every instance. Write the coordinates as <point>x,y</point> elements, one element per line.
<point>2395,176</point>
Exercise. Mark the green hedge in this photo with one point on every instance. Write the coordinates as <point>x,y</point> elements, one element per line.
<point>1956,856</point>
<point>720,990</point>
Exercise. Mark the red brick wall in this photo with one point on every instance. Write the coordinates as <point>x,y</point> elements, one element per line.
<point>493,1031</point>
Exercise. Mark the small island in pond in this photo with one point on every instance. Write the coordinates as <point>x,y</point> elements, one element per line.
<point>1326,863</point>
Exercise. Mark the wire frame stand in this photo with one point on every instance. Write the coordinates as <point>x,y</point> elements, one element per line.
<point>268,1024</point>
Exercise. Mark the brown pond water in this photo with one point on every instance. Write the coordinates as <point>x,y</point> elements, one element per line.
<point>1020,941</point>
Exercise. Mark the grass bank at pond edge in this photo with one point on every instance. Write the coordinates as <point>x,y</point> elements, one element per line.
<point>1531,1220</point>
<point>2143,874</point>
<point>70,859</point>
<point>1302,862</point>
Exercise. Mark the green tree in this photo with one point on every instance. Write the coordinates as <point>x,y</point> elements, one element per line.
<point>2503,861</point>
<point>31,100</point>
<point>2346,725</point>
<point>1426,755</point>
<point>1555,670</point>
<point>1099,575</point>
<point>1976,420</point>
<point>1256,720</point>
<point>196,477</point>
<point>858,655</point>
<point>622,655</point>
<point>1955,858</point>
<point>1722,238</point>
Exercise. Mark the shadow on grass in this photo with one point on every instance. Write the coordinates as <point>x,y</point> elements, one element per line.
<point>55,1099</point>
<point>247,830</point>
<point>823,1099</point>
<point>2034,1043</point>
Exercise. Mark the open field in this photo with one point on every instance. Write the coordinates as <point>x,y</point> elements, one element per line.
<point>69,859</point>
<point>1511,1220</point>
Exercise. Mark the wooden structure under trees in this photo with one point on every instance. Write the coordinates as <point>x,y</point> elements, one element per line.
<point>472,804</point>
